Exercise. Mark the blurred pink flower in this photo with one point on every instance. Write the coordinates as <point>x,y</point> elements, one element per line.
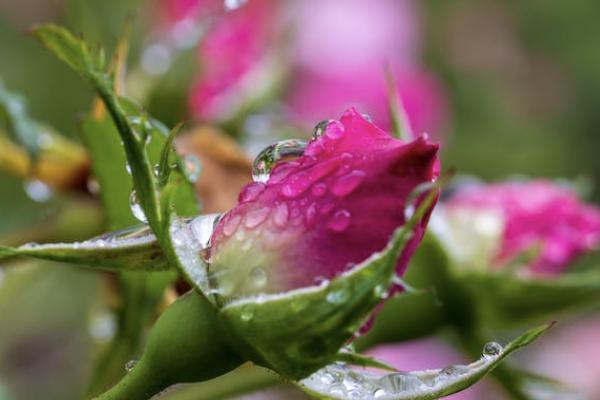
<point>236,44</point>
<point>536,213</point>
<point>334,65</point>
<point>425,354</point>
<point>313,96</point>
<point>339,52</point>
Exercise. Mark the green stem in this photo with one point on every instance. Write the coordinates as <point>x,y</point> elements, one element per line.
<point>139,384</point>
<point>242,380</point>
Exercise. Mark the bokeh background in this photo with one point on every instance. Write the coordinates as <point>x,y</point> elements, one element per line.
<point>510,88</point>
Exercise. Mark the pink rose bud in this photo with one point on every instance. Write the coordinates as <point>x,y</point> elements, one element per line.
<point>519,217</point>
<point>321,214</point>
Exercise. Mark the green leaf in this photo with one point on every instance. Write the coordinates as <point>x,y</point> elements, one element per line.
<point>128,250</point>
<point>69,48</point>
<point>401,127</point>
<point>339,382</point>
<point>507,299</point>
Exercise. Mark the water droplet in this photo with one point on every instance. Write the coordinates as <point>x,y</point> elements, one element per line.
<point>247,313</point>
<point>320,128</point>
<point>340,221</point>
<point>334,130</point>
<point>38,190</point>
<point>102,327</point>
<point>231,224</point>
<point>280,215</point>
<point>491,350</point>
<point>127,168</point>
<point>129,365</point>
<point>202,228</point>
<point>337,296</point>
<point>93,186</point>
<point>379,393</point>
<point>256,216</point>
<point>322,281</point>
<point>347,183</point>
<point>367,117</point>
<point>326,207</point>
<point>311,212</point>
<point>231,5</point>
<point>136,208</point>
<point>319,189</point>
<point>258,277</point>
<point>401,382</point>
<point>251,192</point>
<point>192,167</point>
<point>380,292</point>
<point>269,156</point>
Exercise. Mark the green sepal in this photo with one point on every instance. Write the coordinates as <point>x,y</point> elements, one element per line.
<point>338,382</point>
<point>297,332</point>
<point>508,299</point>
<point>134,249</point>
<point>185,345</point>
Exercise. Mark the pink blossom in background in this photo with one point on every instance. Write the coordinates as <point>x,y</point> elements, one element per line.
<point>425,354</point>
<point>326,211</point>
<point>339,51</point>
<point>236,43</point>
<point>336,51</point>
<point>536,213</point>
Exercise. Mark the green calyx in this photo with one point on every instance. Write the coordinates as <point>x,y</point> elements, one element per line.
<point>297,332</point>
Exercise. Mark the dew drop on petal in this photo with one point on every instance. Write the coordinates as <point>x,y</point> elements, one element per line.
<point>334,130</point>
<point>319,189</point>
<point>339,221</point>
<point>310,213</point>
<point>326,207</point>
<point>347,183</point>
<point>265,160</point>
<point>38,191</point>
<point>491,350</point>
<point>256,217</point>
<point>280,215</point>
<point>231,224</point>
<point>251,192</point>
<point>136,208</point>
<point>320,128</point>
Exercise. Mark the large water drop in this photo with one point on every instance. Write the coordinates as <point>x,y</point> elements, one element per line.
<point>136,208</point>
<point>339,221</point>
<point>268,157</point>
